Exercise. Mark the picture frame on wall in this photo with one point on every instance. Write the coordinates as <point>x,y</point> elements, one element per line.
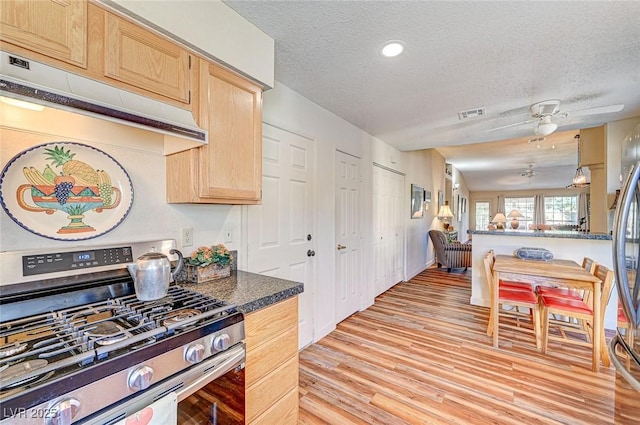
<point>464,205</point>
<point>459,207</point>
<point>440,199</point>
<point>417,201</point>
<point>427,199</point>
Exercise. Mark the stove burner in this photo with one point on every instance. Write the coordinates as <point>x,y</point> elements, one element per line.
<point>23,368</point>
<point>107,333</point>
<point>180,316</point>
<point>12,349</point>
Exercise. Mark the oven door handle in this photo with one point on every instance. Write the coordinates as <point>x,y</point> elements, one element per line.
<point>232,358</point>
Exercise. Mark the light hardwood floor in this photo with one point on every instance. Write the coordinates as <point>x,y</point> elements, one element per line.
<point>420,355</point>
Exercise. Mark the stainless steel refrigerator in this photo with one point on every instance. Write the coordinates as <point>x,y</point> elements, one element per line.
<point>624,348</point>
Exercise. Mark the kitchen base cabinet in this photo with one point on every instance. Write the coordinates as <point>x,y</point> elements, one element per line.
<point>228,170</point>
<point>284,412</point>
<point>271,374</point>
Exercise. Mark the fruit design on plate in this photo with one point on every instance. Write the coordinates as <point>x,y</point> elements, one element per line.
<point>68,184</point>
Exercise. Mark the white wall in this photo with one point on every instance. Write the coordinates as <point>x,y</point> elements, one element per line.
<point>140,152</point>
<point>287,109</point>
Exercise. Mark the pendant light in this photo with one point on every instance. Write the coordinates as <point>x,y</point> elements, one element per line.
<point>579,180</point>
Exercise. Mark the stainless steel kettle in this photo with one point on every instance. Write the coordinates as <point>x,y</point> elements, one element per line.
<point>152,274</point>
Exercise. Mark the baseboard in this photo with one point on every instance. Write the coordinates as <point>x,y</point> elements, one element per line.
<point>324,331</point>
<point>413,273</point>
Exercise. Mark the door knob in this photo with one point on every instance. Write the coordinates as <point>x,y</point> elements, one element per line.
<point>341,247</point>
<point>311,253</point>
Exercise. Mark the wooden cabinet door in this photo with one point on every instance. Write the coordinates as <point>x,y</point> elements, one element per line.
<point>231,164</point>
<point>54,28</point>
<point>271,375</point>
<point>136,56</point>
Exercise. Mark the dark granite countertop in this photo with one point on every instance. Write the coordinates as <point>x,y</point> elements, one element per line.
<point>249,291</point>
<point>563,234</point>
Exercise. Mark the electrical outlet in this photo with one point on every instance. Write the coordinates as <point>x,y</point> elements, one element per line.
<point>187,236</point>
<point>228,235</point>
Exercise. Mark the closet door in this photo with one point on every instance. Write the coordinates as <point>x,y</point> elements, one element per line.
<point>388,241</point>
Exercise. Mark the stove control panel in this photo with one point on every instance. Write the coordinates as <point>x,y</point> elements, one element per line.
<point>35,264</point>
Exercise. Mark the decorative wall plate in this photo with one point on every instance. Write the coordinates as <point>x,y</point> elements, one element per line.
<point>66,191</point>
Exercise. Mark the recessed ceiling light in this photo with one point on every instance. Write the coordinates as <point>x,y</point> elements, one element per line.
<point>392,48</point>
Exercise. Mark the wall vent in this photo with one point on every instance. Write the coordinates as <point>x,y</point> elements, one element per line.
<point>472,113</point>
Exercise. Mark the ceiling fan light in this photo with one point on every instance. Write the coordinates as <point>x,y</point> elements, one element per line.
<point>545,128</point>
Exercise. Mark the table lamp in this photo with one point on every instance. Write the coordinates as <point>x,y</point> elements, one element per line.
<point>515,215</point>
<point>499,219</point>
<point>444,214</point>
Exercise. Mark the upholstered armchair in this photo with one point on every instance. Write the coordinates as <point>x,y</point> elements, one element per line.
<point>452,255</point>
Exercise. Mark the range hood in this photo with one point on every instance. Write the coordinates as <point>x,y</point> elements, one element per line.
<point>34,82</point>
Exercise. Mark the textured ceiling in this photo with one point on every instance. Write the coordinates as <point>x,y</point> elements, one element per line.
<point>498,165</point>
<point>503,56</point>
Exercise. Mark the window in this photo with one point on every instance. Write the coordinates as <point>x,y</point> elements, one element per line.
<point>524,205</point>
<point>561,211</point>
<point>482,215</point>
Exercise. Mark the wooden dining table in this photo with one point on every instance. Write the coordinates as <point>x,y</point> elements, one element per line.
<point>562,273</point>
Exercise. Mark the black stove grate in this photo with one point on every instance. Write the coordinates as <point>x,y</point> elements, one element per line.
<point>70,339</point>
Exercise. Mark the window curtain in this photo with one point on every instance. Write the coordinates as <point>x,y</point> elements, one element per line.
<point>538,209</point>
<point>583,210</point>
<point>500,206</point>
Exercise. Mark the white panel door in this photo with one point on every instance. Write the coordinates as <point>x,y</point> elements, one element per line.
<point>280,231</point>
<point>348,236</point>
<point>388,228</point>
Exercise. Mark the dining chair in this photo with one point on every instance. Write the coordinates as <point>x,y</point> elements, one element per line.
<point>553,291</point>
<point>578,309</point>
<point>516,294</point>
<point>624,323</point>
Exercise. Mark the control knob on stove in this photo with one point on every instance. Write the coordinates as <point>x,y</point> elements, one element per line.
<point>220,343</point>
<point>140,378</point>
<point>63,412</point>
<point>194,353</point>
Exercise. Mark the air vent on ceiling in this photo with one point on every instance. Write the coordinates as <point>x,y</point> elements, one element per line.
<point>472,113</point>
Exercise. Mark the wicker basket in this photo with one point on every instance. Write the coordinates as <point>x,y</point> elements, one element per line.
<point>197,274</point>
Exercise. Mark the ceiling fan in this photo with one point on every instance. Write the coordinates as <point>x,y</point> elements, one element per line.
<point>543,112</point>
<point>529,172</point>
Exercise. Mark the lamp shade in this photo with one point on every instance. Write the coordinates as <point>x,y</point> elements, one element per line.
<point>499,218</point>
<point>515,214</point>
<point>445,211</point>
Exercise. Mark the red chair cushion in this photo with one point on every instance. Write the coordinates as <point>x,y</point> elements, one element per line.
<point>505,295</point>
<point>570,306</point>
<point>516,286</point>
<point>550,291</point>
<point>621,317</point>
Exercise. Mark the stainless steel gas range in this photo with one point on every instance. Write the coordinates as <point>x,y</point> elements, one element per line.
<point>77,346</point>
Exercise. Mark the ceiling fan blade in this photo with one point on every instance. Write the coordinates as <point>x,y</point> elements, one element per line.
<point>593,111</point>
<point>512,125</point>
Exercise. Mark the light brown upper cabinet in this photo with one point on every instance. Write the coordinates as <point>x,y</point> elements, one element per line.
<point>229,169</point>
<point>52,28</point>
<point>138,57</point>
